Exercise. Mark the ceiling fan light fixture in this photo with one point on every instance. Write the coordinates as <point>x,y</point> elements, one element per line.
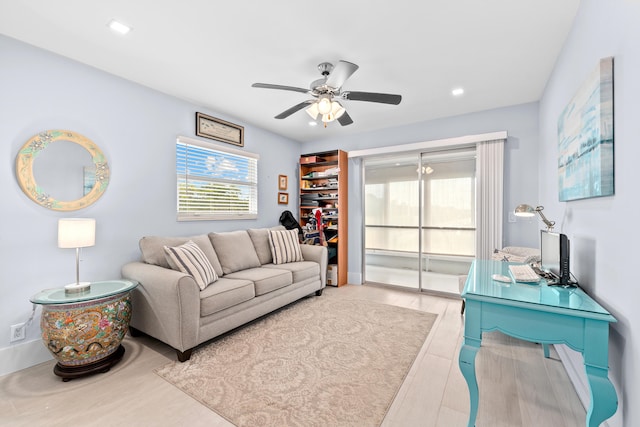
<point>337,110</point>
<point>327,118</point>
<point>324,105</point>
<point>312,111</point>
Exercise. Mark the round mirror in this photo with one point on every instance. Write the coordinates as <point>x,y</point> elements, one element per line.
<point>62,170</point>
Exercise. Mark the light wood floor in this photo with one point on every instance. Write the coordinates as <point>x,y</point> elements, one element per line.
<point>518,386</point>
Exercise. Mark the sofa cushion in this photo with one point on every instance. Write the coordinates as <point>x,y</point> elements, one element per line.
<point>260,239</point>
<point>265,280</point>
<point>235,250</point>
<point>301,271</point>
<point>225,293</point>
<point>285,246</point>
<point>152,248</point>
<point>189,258</point>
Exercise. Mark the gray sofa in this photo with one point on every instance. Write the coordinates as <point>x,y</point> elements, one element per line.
<point>171,306</point>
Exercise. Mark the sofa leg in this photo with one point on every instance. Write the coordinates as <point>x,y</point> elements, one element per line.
<point>134,332</point>
<point>319,292</point>
<point>183,356</point>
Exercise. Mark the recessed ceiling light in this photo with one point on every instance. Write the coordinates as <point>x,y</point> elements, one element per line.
<point>312,123</point>
<point>119,27</point>
<point>457,91</point>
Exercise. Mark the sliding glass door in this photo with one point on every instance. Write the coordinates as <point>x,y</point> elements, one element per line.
<point>392,214</point>
<point>419,219</point>
<point>448,218</point>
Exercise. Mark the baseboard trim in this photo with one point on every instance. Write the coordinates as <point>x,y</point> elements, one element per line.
<point>22,356</point>
<point>574,366</point>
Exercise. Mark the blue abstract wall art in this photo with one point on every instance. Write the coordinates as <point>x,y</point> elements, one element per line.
<point>585,138</point>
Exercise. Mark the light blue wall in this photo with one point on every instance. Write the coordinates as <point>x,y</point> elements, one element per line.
<point>136,128</point>
<point>603,235</point>
<point>520,170</point>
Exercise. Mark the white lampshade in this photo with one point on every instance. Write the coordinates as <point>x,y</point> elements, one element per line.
<point>337,110</point>
<point>76,232</point>
<point>329,110</point>
<point>324,105</point>
<point>313,110</point>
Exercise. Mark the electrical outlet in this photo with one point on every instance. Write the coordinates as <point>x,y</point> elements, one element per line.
<point>18,332</point>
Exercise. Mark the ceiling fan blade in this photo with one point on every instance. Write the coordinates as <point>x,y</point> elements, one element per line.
<point>293,109</point>
<point>345,119</point>
<point>341,72</point>
<point>383,98</point>
<point>280,87</point>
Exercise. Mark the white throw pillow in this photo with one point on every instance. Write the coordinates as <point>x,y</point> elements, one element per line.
<point>189,259</point>
<point>285,246</point>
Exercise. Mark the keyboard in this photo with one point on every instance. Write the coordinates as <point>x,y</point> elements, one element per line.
<point>523,273</point>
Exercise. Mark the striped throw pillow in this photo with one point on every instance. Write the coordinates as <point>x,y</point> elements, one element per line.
<point>189,258</point>
<point>284,246</point>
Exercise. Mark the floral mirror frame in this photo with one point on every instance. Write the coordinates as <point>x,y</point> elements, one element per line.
<point>36,145</point>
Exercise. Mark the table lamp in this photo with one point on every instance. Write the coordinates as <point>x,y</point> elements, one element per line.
<point>77,233</point>
<point>528,211</point>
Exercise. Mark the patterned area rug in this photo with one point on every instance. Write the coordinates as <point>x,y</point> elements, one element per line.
<point>323,361</point>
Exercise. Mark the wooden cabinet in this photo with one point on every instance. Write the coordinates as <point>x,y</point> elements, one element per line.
<point>324,187</point>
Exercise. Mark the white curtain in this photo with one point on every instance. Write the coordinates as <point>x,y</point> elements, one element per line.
<point>489,175</point>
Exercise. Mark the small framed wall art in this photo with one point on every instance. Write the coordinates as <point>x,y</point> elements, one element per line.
<point>282,182</point>
<point>283,198</point>
<point>220,130</point>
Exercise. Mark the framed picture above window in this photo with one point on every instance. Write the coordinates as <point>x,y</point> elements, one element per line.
<point>220,130</point>
<point>282,182</point>
<point>283,198</point>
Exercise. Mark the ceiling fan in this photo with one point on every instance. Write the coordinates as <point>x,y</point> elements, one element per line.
<point>327,90</point>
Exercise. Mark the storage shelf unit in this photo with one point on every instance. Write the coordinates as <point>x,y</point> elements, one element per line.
<point>323,185</point>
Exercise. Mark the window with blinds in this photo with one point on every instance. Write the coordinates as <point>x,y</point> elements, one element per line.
<point>215,182</point>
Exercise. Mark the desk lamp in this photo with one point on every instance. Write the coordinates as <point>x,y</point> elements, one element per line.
<point>529,211</point>
<point>76,233</point>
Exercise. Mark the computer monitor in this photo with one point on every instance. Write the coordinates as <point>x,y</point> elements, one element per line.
<point>554,253</point>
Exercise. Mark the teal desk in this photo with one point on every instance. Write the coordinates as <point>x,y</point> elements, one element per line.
<point>537,313</point>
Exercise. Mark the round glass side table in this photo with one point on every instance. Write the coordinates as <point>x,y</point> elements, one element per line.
<point>83,330</point>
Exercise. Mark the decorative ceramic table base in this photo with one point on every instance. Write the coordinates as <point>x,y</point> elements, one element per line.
<point>84,332</point>
<point>67,373</point>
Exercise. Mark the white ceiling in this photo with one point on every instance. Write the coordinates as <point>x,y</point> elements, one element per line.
<point>210,52</point>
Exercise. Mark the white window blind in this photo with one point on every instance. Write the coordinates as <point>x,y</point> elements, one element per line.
<point>215,182</point>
